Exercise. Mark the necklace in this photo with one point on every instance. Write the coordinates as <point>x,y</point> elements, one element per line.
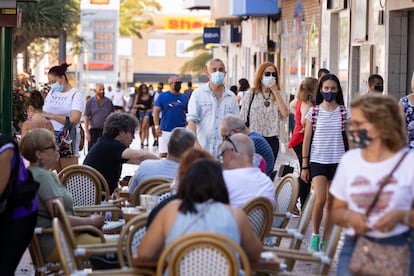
<point>266,102</point>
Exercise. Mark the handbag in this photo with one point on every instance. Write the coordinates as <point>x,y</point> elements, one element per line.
<point>66,139</point>
<point>285,169</point>
<point>374,258</point>
<point>247,123</point>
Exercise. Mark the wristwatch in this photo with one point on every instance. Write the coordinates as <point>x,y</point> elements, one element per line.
<point>157,127</point>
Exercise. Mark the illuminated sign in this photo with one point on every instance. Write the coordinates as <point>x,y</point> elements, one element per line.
<point>186,23</point>
<point>99,2</point>
<point>211,35</point>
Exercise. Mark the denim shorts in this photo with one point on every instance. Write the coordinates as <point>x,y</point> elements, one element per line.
<point>143,114</point>
<point>349,245</point>
<point>327,170</point>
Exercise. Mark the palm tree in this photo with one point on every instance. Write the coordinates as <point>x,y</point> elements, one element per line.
<point>135,16</point>
<point>197,65</point>
<point>46,18</point>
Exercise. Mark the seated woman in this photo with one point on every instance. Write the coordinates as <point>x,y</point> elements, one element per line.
<point>38,146</point>
<point>202,189</point>
<point>189,157</point>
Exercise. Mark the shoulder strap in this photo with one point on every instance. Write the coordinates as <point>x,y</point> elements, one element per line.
<point>315,111</point>
<point>248,111</point>
<point>199,215</point>
<point>383,182</point>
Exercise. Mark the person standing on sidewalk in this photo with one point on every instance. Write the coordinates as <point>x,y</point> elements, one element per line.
<point>173,106</point>
<point>208,105</point>
<point>324,143</point>
<point>262,106</point>
<point>303,102</point>
<point>96,111</point>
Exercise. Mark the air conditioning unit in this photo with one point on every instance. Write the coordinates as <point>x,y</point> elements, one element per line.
<point>337,5</point>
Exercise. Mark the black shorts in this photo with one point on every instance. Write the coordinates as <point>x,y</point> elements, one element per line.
<point>327,170</point>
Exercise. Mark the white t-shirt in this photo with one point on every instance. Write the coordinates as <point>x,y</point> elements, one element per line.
<point>247,183</point>
<point>356,182</point>
<point>118,98</point>
<point>63,104</point>
<point>327,145</point>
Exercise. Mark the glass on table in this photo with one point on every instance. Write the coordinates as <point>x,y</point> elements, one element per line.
<point>149,201</point>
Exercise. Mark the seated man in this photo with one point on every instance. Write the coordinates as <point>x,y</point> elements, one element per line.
<point>181,140</point>
<point>243,180</point>
<point>112,149</point>
<point>234,124</point>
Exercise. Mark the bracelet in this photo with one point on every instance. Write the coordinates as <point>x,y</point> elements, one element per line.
<point>305,168</point>
<point>406,220</point>
<point>305,157</point>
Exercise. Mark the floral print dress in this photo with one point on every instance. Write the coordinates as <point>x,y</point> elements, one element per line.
<point>409,118</point>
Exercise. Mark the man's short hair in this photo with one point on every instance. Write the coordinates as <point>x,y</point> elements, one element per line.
<point>180,141</point>
<point>117,122</point>
<point>233,123</point>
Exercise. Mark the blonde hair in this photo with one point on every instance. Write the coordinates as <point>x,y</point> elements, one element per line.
<point>384,113</point>
<point>34,140</point>
<point>306,87</point>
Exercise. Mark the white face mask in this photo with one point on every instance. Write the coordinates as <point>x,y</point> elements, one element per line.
<point>266,80</point>
<point>57,87</point>
<point>217,77</point>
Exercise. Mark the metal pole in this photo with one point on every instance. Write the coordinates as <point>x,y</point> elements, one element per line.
<point>6,71</point>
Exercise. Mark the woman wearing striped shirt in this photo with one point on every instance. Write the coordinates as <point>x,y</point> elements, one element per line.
<point>323,146</point>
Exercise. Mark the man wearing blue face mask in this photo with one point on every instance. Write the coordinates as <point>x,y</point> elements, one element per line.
<point>208,105</point>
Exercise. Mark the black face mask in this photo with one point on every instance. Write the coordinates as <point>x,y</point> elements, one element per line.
<point>177,87</point>
<point>379,88</point>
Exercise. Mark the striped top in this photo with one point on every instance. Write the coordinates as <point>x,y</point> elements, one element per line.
<point>327,145</point>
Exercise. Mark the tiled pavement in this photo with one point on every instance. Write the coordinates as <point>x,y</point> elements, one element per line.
<point>285,156</point>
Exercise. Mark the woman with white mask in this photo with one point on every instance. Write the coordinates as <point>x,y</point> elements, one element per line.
<point>263,104</point>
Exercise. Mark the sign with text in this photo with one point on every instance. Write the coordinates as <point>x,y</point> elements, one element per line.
<point>211,35</point>
<point>187,23</point>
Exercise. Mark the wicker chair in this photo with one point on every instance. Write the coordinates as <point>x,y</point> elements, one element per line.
<point>68,255</point>
<point>40,264</point>
<point>201,254</point>
<point>286,196</point>
<point>130,238</point>
<point>322,259</point>
<point>88,250</point>
<point>144,187</point>
<point>162,190</point>
<point>259,211</point>
<point>83,183</point>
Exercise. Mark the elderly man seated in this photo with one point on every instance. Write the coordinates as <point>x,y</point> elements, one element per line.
<point>181,140</point>
<point>244,181</point>
<point>234,124</point>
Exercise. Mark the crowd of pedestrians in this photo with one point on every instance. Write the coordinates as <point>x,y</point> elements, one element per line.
<point>219,149</point>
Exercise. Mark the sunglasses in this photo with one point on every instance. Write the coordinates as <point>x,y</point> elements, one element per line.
<point>267,74</point>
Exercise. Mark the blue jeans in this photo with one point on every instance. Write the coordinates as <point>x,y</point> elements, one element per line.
<point>349,245</point>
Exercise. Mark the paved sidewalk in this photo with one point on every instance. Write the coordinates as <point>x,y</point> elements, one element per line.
<point>286,156</point>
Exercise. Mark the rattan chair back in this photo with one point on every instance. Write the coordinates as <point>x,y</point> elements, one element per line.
<point>259,211</point>
<point>144,187</point>
<point>83,183</point>
<point>130,238</point>
<point>202,254</point>
<point>286,195</point>
<point>161,190</point>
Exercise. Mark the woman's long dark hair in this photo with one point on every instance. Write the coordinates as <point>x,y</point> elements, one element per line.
<point>339,95</point>
<point>202,181</point>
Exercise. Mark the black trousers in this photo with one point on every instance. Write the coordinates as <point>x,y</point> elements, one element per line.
<point>15,236</point>
<point>95,134</point>
<point>304,187</point>
<point>274,144</point>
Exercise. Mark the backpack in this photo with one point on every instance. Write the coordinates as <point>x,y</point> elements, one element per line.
<point>315,111</point>
<point>17,194</point>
